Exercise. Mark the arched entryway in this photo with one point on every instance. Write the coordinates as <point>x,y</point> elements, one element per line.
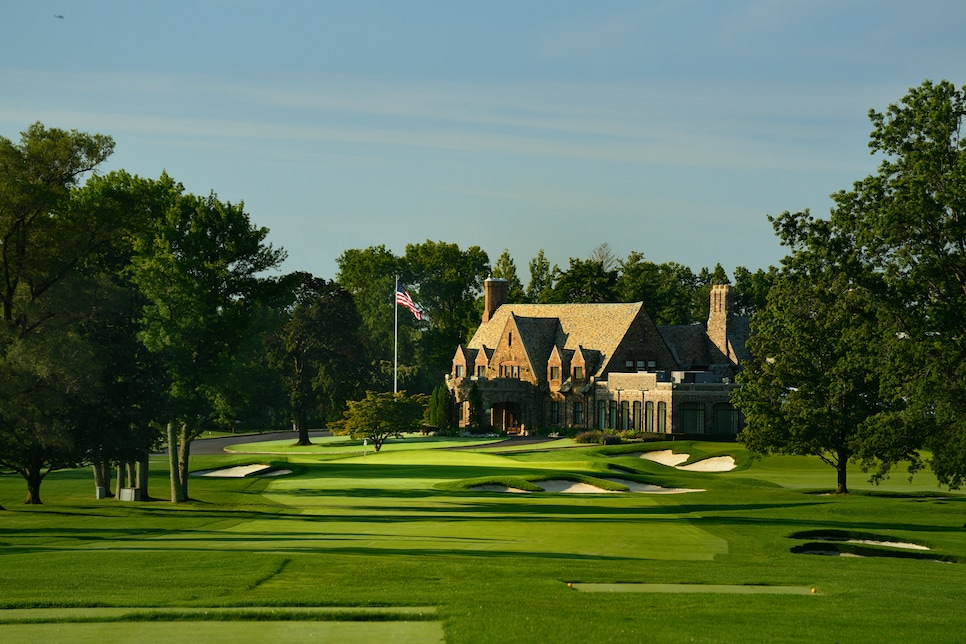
<point>505,417</point>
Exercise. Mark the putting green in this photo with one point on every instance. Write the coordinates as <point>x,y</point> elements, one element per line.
<point>724,589</point>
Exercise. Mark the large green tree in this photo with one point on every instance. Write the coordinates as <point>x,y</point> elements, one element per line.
<point>369,275</point>
<point>446,282</point>
<point>46,363</point>
<point>201,270</point>
<point>908,223</point>
<point>813,386</point>
<point>320,353</point>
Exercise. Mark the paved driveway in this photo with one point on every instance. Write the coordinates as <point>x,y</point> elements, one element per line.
<point>218,445</point>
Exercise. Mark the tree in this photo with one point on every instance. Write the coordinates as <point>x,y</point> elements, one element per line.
<point>603,254</point>
<point>446,282</point>
<point>908,222</point>
<point>46,363</point>
<point>380,416</point>
<point>585,281</point>
<point>751,289</point>
<point>813,386</point>
<point>369,275</point>
<point>667,290</point>
<point>200,270</point>
<point>439,412</point>
<point>541,279</point>
<point>506,269</point>
<point>320,353</point>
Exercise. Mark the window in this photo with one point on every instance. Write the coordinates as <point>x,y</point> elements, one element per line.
<point>612,415</point>
<point>555,373</point>
<point>649,416</point>
<point>578,373</point>
<point>651,364</point>
<point>662,417</point>
<point>578,413</point>
<point>624,421</point>
<point>554,413</point>
<point>726,419</point>
<point>636,425</point>
<point>510,339</point>
<point>692,418</point>
<point>481,370</point>
<point>459,371</point>
<point>516,371</point>
<point>601,414</point>
<point>629,364</point>
<point>641,365</point>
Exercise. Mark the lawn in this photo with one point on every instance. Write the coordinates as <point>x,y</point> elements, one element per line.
<point>401,546</point>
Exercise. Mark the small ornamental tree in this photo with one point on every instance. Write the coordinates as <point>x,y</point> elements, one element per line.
<point>438,413</point>
<point>380,416</point>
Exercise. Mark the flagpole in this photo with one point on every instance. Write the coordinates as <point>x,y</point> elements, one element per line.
<point>395,342</point>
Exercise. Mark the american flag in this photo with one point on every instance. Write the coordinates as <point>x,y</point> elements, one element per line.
<point>402,297</point>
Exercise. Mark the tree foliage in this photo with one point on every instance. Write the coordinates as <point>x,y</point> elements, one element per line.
<point>505,268</point>
<point>908,227</point>
<point>47,365</point>
<point>380,416</point>
<point>585,281</point>
<point>813,386</point>
<point>200,270</point>
<point>541,279</point>
<point>320,353</point>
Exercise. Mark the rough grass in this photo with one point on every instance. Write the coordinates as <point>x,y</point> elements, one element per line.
<point>402,529</point>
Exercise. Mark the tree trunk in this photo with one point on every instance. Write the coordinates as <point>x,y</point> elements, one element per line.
<point>184,453</point>
<point>121,480</point>
<point>177,492</point>
<point>840,468</point>
<point>142,475</point>
<point>102,476</point>
<point>34,477</point>
<point>131,472</point>
<point>302,427</point>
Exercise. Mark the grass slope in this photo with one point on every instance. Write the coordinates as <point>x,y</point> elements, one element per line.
<point>402,529</point>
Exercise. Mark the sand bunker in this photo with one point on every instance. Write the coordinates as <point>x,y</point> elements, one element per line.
<point>573,487</point>
<point>238,472</point>
<point>713,464</point>
<point>669,458</point>
<point>666,457</point>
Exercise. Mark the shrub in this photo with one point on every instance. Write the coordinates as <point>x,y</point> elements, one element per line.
<point>593,436</point>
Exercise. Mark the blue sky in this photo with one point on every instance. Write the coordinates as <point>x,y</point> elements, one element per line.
<point>669,128</point>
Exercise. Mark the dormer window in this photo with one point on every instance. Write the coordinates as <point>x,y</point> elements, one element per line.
<point>578,373</point>
<point>459,371</point>
<point>555,373</point>
<point>510,339</point>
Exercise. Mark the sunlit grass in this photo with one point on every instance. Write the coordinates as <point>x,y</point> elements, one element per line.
<point>406,528</point>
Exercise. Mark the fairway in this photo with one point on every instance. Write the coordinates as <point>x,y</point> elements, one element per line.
<point>401,546</point>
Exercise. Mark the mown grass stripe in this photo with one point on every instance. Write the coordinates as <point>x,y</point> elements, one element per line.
<point>724,589</point>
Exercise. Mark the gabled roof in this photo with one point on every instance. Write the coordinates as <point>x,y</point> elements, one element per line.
<point>688,343</point>
<point>599,328</point>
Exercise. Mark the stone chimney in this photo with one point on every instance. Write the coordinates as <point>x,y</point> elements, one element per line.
<point>718,319</point>
<point>495,292</point>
